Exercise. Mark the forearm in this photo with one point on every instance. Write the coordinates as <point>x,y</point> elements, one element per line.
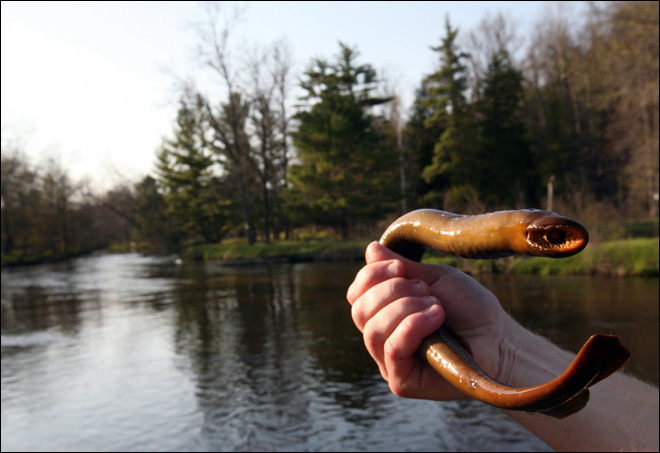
<point>622,413</point>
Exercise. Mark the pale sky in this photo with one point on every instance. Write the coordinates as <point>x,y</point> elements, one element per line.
<point>92,83</point>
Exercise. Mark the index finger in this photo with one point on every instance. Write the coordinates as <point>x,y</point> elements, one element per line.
<point>371,275</point>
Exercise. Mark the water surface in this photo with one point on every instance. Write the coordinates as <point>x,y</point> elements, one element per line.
<point>126,353</point>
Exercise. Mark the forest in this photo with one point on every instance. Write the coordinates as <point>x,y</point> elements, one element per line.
<point>570,124</point>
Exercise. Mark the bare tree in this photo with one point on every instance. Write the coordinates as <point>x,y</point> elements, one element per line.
<point>493,35</point>
<point>228,120</point>
<point>19,200</point>
<point>625,49</point>
<point>58,192</point>
<point>269,123</point>
<point>281,72</point>
<point>250,128</point>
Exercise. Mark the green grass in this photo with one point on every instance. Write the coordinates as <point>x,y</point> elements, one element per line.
<point>290,250</point>
<point>622,257</point>
<point>628,257</point>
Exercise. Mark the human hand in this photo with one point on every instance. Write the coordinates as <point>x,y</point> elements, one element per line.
<point>396,303</point>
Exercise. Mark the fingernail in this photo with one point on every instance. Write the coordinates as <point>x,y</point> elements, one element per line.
<point>393,269</point>
<point>433,311</point>
<point>430,301</point>
<point>349,293</point>
<point>433,306</point>
<point>419,288</point>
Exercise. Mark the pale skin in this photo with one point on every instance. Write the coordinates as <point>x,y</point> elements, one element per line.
<point>396,303</point>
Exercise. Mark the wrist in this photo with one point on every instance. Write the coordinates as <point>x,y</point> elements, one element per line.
<point>527,359</point>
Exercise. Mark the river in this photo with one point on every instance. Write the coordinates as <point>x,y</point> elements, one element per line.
<point>133,353</point>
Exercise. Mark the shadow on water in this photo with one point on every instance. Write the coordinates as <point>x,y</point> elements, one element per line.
<point>125,352</point>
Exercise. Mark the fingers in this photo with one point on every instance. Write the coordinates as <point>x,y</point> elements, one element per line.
<point>383,293</point>
<point>404,338</point>
<point>394,333</point>
<point>372,275</point>
<point>382,264</point>
<point>396,303</point>
<point>393,312</point>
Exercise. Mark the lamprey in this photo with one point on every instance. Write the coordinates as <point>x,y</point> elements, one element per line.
<point>493,235</point>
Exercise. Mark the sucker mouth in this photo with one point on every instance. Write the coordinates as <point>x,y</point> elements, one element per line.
<point>563,239</point>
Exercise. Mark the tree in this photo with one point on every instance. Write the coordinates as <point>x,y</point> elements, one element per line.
<point>113,213</point>
<point>230,143</point>
<point>192,192</point>
<point>503,164</point>
<point>420,137</point>
<point>44,214</point>
<point>449,112</point>
<point>153,224</point>
<point>228,121</point>
<point>562,138</point>
<point>345,172</point>
<point>269,123</point>
<point>281,75</point>
<point>624,54</point>
<point>247,118</point>
<point>57,193</point>
<point>21,201</point>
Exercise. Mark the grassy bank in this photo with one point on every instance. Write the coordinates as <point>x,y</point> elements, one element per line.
<point>234,251</point>
<point>624,257</point>
<point>637,256</point>
<point>621,257</point>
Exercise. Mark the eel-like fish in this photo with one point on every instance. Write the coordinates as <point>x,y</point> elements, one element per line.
<point>493,235</point>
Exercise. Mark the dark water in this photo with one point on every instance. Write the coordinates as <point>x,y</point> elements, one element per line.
<point>126,353</point>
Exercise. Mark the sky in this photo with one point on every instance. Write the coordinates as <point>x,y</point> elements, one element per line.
<point>94,84</point>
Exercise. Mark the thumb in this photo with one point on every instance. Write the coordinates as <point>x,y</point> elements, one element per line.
<point>378,252</point>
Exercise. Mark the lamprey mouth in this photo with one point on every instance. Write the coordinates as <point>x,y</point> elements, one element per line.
<point>558,240</point>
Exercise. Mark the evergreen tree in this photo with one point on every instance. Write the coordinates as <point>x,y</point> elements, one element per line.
<point>347,173</point>
<point>192,193</point>
<point>451,165</point>
<point>420,138</point>
<point>151,217</point>
<point>231,143</point>
<point>504,165</point>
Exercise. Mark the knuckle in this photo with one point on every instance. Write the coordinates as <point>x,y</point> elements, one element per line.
<point>372,335</point>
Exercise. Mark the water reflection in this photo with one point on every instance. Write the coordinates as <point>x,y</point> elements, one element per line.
<point>569,309</point>
<point>123,352</point>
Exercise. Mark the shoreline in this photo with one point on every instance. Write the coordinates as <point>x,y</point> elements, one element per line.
<point>620,258</point>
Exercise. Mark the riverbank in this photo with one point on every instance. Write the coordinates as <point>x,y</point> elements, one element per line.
<point>40,258</point>
<point>238,252</point>
<point>626,257</point>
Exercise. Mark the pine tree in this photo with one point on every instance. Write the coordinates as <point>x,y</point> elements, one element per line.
<point>504,165</point>
<point>346,172</point>
<point>192,193</point>
<point>450,170</point>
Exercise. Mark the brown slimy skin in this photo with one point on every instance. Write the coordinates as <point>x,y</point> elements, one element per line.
<point>492,235</point>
